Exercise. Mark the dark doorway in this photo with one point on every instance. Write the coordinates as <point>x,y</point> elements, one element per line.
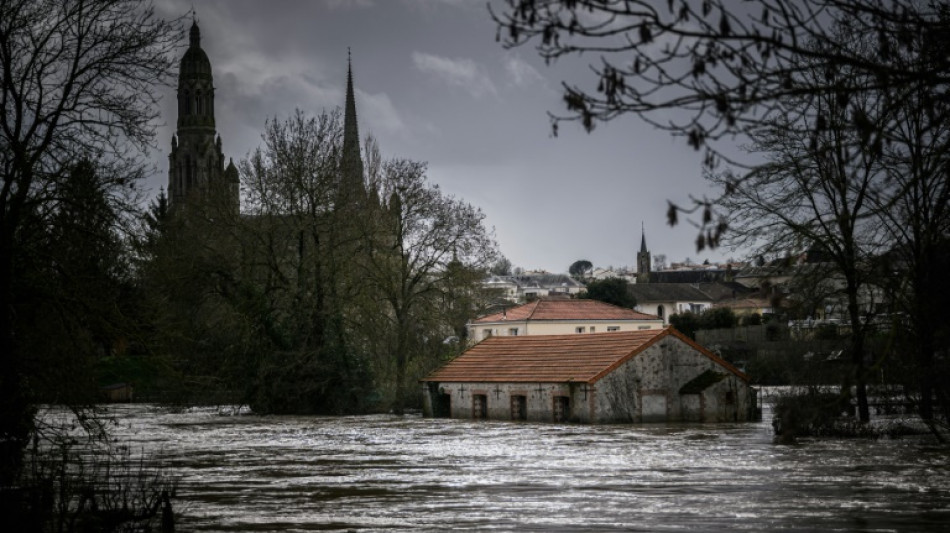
<point>562,408</point>
<point>441,402</point>
<point>479,406</point>
<point>519,407</point>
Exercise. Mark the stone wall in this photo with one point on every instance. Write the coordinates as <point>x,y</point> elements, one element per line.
<point>539,400</point>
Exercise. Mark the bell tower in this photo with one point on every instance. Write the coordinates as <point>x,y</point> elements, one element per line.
<point>643,259</point>
<point>196,163</point>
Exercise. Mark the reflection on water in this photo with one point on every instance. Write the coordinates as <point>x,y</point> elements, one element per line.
<point>383,473</point>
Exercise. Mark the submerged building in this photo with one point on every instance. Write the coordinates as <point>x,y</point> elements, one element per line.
<point>623,377</point>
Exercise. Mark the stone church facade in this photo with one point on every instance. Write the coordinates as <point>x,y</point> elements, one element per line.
<point>196,165</point>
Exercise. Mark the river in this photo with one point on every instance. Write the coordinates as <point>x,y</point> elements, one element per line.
<point>385,473</point>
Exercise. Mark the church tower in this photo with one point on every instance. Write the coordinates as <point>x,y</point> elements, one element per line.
<point>643,259</point>
<point>351,163</point>
<point>196,164</point>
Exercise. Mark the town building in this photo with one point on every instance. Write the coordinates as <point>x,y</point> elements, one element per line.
<point>657,375</point>
<point>665,299</point>
<point>532,285</point>
<point>560,316</point>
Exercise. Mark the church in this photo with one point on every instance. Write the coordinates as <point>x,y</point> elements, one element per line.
<point>196,164</point>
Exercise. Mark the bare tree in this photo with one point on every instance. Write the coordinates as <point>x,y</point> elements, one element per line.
<point>711,69</point>
<point>814,192</point>
<point>914,208</point>
<point>428,247</point>
<point>78,79</point>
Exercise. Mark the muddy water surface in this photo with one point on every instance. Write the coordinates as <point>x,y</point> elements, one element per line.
<point>385,473</point>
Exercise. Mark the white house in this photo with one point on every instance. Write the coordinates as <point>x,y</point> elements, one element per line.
<point>529,286</point>
<point>561,316</point>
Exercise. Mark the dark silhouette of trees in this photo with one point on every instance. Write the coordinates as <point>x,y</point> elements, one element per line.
<point>615,291</point>
<point>814,192</point>
<point>712,70</point>
<point>842,97</point>
<point>580,269</point>
<point>79,81</point>
<point>913,206</point>
<point>858,194</point>
<point>501,267</point>
<point>717,318</point>
<point>429,254</point>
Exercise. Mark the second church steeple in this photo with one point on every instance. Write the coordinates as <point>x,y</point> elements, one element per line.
<point>351,164</point>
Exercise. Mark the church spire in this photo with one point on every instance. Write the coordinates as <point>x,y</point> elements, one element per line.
<point>194,38</point>
<point>352,164</point>
<point>643,258</point>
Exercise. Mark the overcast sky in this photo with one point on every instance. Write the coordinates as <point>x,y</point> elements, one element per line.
<point>433,85</point>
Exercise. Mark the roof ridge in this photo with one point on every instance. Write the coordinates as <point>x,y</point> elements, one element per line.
<point>537,304</point>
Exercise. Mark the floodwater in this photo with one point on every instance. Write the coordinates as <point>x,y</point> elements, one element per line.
<point>385,473</point>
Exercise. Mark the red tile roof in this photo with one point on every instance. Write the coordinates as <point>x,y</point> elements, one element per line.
<point>556,358</point>
<point>545,309</point>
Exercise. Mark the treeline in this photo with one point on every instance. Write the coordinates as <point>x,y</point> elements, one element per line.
<point>331,292</point>
<point>328,294</point>
<point>842,106</point>
<point>318,298</point>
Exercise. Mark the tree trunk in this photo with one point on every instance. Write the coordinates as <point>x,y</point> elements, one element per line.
<point>857,353</point>
<point>16,412</point>
<point>399,404</point>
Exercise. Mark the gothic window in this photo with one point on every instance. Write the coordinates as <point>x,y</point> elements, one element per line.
<point>183,104</point>
<point>199,101</point>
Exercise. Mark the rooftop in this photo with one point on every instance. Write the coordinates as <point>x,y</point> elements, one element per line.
<point>662,292</point>
<point>558,309</point>
<point>556,358</point>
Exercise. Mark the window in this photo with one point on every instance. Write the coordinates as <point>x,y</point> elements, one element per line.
<point>579,329</point>
<point>659,311</point>
<point>643,327</point>
<point>479,406</point>
<point>486,333</point>
<point>613,328</point>
<point>513,332</point>
<point>519,407</point>
<point>593,329</point>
